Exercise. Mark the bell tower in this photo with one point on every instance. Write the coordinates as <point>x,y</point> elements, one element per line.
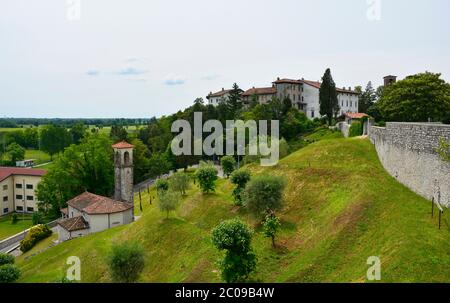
<point>123,171</point>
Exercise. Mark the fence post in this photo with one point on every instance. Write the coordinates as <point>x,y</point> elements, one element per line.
<point>432,207</point>
<point>440,216</point>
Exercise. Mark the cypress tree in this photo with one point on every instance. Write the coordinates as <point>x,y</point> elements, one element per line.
<point>329,105</point>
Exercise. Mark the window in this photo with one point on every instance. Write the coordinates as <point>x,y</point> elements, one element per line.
<point>30,198</point>
<point>351,103</point>
<point>18,185</point>
<point>29,186</point>
<point>5,210</point>
<point>303,98</point>
<point>5,198</point>
<point>19,197</point>
<point>30,209</point>
<point>19,208</point>
<point>312,114</point>
<point>5,187</point>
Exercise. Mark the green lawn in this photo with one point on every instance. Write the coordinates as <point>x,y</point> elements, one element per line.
<point>7,229</point>
<point>39,156</point>
<point>341,208</point>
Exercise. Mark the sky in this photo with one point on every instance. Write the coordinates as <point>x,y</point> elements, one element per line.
<point>145,58</point>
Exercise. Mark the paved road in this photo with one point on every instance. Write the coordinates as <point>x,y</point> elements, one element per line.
<point>17,251</point>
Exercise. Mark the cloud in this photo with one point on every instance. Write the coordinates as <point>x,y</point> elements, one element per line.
<point>174,80</point>
<point>131,71</point>
<point>92,72</point>
<point>210,77</point>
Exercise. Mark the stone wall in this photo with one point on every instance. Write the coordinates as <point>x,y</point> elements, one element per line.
<point>407,152</point>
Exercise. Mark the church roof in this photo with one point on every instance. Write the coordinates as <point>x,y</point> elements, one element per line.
<point>73,224</point>
<point>123,144</point>
<point>94,204</point>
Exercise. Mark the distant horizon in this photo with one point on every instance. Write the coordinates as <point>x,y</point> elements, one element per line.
<point>144,58</point>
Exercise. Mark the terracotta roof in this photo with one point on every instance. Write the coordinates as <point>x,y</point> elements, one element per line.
<point>73,224</point>
<point>123,144</point>
<point>64,210</point>
<point>95,204</point>
<point>356,115</point>
<point>219,93</point>
<point>317,84</point>
<point>291,81</point>
<point>5,172</point>
<point>260,91</point>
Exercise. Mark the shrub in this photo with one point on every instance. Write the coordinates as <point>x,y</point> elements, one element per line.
<point>168,201</point>
<point>14,218</point>
<point>239,260</point>
<point>271,226</point>
<point>6,259</point>
<point>228,165</point>
<point>206,175</point>
<point>9,273</point>
<point>240,179</point>
<point>36,234</point>
<point>126,262</point>
<point>264,193</point>
<point>356,129</point>
<point>162,185</point>
<point>180,182</point>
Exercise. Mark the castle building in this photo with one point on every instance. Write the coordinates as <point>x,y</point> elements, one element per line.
<point>304,95</point>
<point>89,213</point>
<point>217,97</point>
<point>389,80</point>
<point>18,189</point>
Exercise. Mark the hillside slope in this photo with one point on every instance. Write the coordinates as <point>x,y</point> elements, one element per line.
<point>341,207</point>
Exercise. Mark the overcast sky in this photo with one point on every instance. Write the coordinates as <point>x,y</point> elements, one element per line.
<point>143,58</point>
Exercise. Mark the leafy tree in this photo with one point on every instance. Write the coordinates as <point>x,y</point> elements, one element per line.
<point>9,273</point>
<point>417,98</point>
<point>329,105</point>
<point>87,166</point>
<point>264,193</point>
<point>37,218</point>
<point>228,165</point>
<point>294,124</point>
<point>77,132</point>
<point>158,165</point>
<point>118,133</point>
<point>206,175</point>
<point>235,238</point>
<point>444,150</point>
<point>15,152</point>
<point>271,226</point>
<point>168,201</point>
<point>180,182</point>
<point>54,139</point>
<point>356,129</point>
<point>162,185</point>
<point>239,178</point>
<point>141,161</point>
<point>6,259</point>
<point>126,262</point>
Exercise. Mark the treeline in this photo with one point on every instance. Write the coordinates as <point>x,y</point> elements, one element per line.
<point>69,122</point>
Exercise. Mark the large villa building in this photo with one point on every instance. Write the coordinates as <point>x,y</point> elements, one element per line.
<point>18,189</point>
<point>304,95</point>
<point>89,213</point>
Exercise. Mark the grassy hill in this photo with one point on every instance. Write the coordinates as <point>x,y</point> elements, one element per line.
<point>341,207</point>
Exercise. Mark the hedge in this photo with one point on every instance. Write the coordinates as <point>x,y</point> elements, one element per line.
<point>9,273</point>
<point>356,129</point>
<point>36,234</point>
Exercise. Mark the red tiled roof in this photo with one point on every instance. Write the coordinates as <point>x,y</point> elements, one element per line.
<point>73,224</point>
<point>95,204</point>
<point>5,172</point>
<point>260,91</point>
<point>219,93</point>
<point>339,90</point>
<point>123,144</point>
<point>291,81</point>
<point>356,115</point>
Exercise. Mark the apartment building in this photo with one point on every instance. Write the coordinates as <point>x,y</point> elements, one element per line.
<point>18,189</point>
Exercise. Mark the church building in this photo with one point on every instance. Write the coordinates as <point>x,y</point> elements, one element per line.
<point>89,213</point>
